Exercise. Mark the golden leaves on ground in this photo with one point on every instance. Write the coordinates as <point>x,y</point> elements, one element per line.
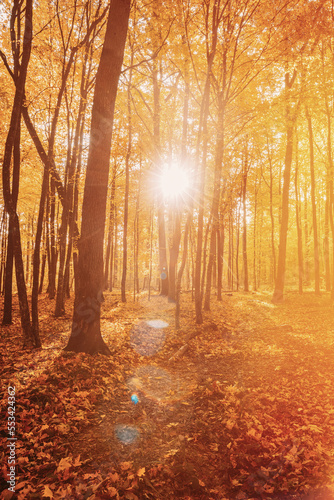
<point>246,412</point>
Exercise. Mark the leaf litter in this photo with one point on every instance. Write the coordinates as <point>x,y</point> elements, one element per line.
<point>245,412</point>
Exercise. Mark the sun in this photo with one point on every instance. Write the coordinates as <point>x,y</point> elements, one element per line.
<point>174,182</point>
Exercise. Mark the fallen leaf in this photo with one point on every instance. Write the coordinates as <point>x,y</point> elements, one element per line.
<point>65,463</point>
<point>131,496</point>
<point>114,477</point>
<point>47,492</point>
<point>141,472</point>
<point>112,491</point>
<point>77,462</point>
<point>126,465</point>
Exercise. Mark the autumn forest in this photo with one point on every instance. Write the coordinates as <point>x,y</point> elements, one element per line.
<point>167,249</point>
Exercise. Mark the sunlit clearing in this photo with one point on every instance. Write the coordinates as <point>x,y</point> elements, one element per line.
<point>174,182</point>
<point>157,323</point>
<point>148,337</point>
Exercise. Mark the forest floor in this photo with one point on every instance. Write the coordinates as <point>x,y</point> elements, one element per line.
<point>245,412</point>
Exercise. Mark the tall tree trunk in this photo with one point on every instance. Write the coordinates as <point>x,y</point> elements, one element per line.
<point>151,254</point>
<point>63,231</point>
<point>291,117</point>
<point>136,240</point>
<point>116,250</point>
<point>86,333</point>
<point>44,255</point>
<point>67,220</point>
<point>255,234</point>
<point>163,267</point>
<point>314,207</point>
<point>156,79</point>
<point>181,270</point>
<point>113,246</point>
<point>330,184</point>
<point>230,250</point>
<point>237,245</point>
<point>205,247</point>
<point>175,294</point>
<point>220,257</point>
<point>173,254</point>
<point>36,256</point>
<point>53,248</point>
<point>28,240</point>
<point>326,240</point>
<point>299,231</point>
<point>109,253</point>
<point>127,185</point>
<point>273,250</point>
<point>15,32</point>
<point>184,142</point>
<point>7,195</point>
<point>200,223</point>
<point>306,234</point>
<point>8,288</point>
<point>203,137</point>
<point>219,155</point>
<point>4,240</point>
<point>244,229</point>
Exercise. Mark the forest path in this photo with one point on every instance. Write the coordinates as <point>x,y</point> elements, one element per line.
<point>247,411</point>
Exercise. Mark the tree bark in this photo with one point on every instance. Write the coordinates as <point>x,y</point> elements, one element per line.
<point>8,199</point>
<point>173,254</point>
<point>237,245</point>
<point>156,79</point>
<point>180,272</point>
<point>52,244</point>
<point>299,232</point>
<point>314,208</point>
<point>4,241</point>
<point>8,286</point>
<point>127,187</point>
<point>306,235</point>
<point>255,234</point>
<point>273,250</point>
<point>8,283</point>
<point>244,229</point>
<point>36,256</point>
<point>326,240</point>
<point>200,223</point>
<point>109,253</point>
<point>86,333</point>
<point>330,184</point>
<point>136,236</point>
<point>291,117</point>
<point>219,155</point>
<point>220,258</point>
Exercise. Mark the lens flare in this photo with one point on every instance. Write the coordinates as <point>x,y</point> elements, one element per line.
<point>134,398</point>
<point>127,434</point>
<point>148,337</point>
<point>174,181</point>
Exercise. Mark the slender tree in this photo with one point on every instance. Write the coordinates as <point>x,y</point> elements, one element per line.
<point>314,206</point>
<point>291,116</point>
<point>299,226</point>
<point>7,194</point>
<point>244,219</point>
<point>127,183</point>
<point>15,34</point>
